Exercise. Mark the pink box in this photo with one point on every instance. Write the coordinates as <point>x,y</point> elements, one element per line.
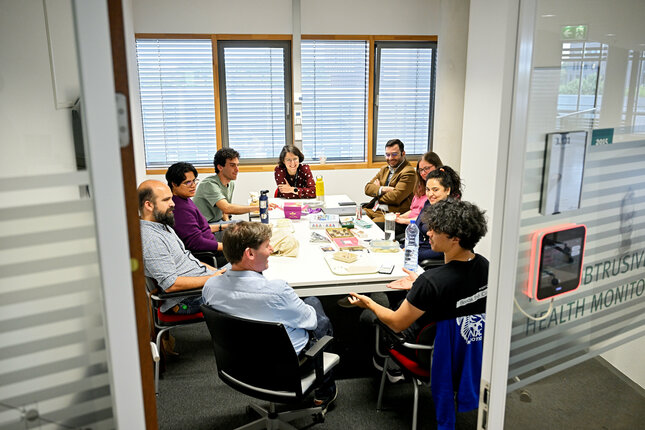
<point>292,210</point>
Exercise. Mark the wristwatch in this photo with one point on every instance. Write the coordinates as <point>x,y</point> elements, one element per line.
<point>295,190</point>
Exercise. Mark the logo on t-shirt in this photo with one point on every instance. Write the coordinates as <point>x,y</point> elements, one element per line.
<point>472,327</point>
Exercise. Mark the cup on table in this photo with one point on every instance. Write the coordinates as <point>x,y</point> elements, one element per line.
<point>390,218</point>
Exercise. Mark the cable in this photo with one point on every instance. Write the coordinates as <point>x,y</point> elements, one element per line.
<point>543,317</point>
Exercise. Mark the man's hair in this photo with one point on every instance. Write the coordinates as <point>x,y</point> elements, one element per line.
<point>222,155</point>
<point>448,178</point>
<point>293,150</point>
<point>430,158</point>
<point>176,173</point>
<point>393,142</point>
<point>241,235</point>
<point>146,194</point>
<point>456,218</point>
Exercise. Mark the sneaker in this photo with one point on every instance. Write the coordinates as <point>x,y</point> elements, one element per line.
<point>323,401</point>
<point>394,374</point>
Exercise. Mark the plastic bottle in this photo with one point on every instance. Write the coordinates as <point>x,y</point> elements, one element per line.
<point>411,258</point>
<point>264,206</point>
<point>320,188</point>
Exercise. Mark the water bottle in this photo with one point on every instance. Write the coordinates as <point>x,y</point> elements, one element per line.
<point>264,206</point>
<point>411,258</point>
<point>320,188</point>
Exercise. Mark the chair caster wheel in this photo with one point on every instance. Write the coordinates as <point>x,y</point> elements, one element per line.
<point>319,418</point>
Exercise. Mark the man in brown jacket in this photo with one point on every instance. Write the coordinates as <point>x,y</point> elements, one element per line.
<point>393,186</point>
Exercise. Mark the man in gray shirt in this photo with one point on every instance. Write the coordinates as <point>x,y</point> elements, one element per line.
<point>165,258</point>
<point>215,193</point>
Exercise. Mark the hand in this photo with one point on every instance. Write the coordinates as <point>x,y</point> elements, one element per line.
<point>402,220</point>
<point>359,300</point>
<point>387,189</point>
<point>273,206</point>
<point>219,272</point>
<point>404,283</point>
<point>285,188</point>
<point>377,182</point>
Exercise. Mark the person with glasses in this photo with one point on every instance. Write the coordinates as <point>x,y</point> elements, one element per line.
<point>392,188</point>
<point>293,178</point>
<point>429,162</point>
<point>190,225</point>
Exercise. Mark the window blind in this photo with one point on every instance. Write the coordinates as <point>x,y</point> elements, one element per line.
<point>404,97</point>
<point>255,114</point>
<point>177,100</point>
<point>334,99</point>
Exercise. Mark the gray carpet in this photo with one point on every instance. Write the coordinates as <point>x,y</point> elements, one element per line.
<point>588,396</point>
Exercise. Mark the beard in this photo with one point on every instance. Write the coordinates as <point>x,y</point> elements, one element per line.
<point>167,218</point>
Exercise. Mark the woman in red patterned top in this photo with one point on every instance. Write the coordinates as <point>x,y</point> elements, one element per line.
<point>294,180</point>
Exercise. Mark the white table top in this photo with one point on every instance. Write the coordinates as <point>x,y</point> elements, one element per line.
<point>309,274</point>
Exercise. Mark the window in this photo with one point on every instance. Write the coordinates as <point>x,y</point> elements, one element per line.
<point>582,77</point>
<point>177,100</point>
<point>255,97</point>
<point>404,95</point>
<point>334,99</point>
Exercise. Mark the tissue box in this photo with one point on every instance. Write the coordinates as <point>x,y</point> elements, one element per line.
<point>323,220</point>
<point>292,210</point>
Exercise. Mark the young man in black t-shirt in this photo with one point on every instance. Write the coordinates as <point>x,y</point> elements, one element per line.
<point>455,289</point>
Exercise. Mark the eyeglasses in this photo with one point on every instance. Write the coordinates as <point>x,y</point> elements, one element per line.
<point>426,169</point>
<point>190,183</point>
<point>392,154</point>
<point>291,160</point>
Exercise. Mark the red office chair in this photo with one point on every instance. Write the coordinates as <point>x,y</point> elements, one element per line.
<point>453,367</point>
<point>164,322</point>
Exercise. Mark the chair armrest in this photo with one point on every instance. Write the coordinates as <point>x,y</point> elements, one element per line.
<point>315,353</point>
<point>162,295</point>
<point>391,334</point>
<point>318,347</point>
<point>418,346</point>
<point>431,263</point>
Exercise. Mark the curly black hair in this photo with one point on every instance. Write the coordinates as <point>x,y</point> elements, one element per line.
<point>457,218</point>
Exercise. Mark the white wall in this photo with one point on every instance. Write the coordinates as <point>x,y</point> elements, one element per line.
<point>379,17</point>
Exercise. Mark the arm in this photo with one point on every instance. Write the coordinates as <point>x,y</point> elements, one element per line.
<point>190,226</point>
<point>190,282</point>
<point>229,208</point>
<point>403,185</point>
<point>397,320</point>
<point>372,187</point>
<point>403,218</point>
<point>308,188</point>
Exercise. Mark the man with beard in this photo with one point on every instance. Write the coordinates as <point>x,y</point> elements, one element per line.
<point>392,188</point>
<point>165,258</point>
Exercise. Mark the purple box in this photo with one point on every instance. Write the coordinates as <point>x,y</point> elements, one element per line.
<point>292,211</point>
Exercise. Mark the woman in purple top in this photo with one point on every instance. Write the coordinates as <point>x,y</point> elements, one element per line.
<point>190,225</point>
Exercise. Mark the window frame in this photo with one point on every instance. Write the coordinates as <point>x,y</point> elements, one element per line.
<point>269,165</point>
<point>378,44</point>
<point>223,100</point>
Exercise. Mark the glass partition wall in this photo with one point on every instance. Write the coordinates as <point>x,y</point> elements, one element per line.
<point>587,89</point>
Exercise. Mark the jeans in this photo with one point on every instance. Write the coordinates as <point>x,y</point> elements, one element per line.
<point>328,386</point>
<point>190,305</point>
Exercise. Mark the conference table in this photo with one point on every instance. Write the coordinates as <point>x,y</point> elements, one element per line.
<point>310,274</point>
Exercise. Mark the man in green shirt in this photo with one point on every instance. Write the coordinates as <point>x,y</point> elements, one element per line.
<point>215,193</point>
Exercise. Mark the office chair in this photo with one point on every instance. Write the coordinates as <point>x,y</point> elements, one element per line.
<point>257,358</point>
<point>164,322</point>
<point>454,368</point>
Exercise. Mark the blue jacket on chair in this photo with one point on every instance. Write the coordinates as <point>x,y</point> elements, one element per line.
<point>456,367</point>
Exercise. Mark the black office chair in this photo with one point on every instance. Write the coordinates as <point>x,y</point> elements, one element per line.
<point>164,322</point>
<point>257,358</point>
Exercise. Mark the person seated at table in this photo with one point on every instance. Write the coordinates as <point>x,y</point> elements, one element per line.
<point>215,193</point>
<point>441,184</point>
<point>294,179</point>
<point>190,225</point>
<point>393,186</point>
<point>165,259</point>
<point>246,293</point>
<point>458,288</point>
<point>428,162</point>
